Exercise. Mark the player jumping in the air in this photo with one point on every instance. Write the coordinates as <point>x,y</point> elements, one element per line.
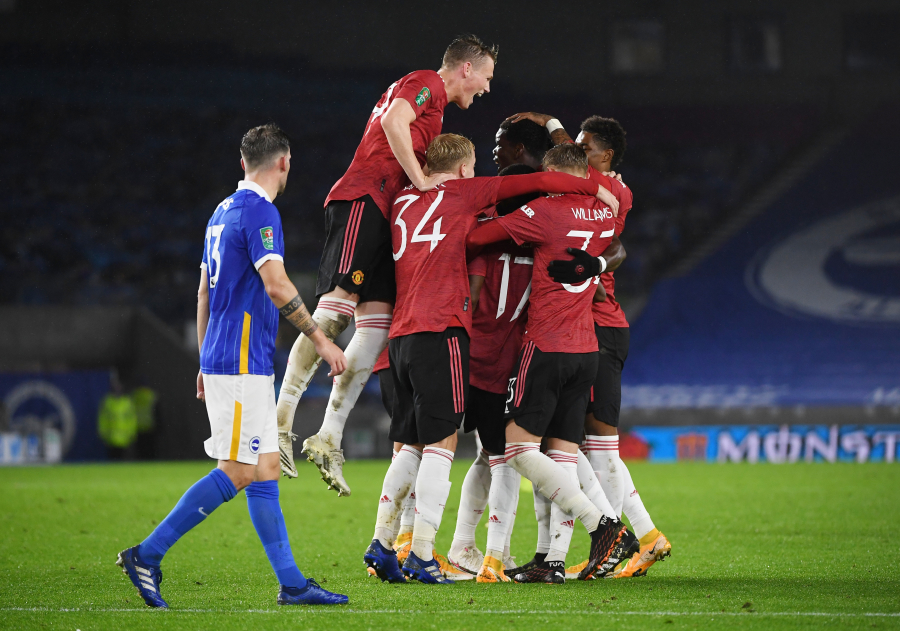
<point>550,387</point>
<point>356,274</point>
<point>603,139</point>
<point>243,287</point>
<point>429,347</point>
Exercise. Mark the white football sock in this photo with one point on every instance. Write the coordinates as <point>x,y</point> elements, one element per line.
<point>590,484</point>
<point>507,551</point>
<point>634,509</point>
<point>362,352</point>
<point>395,527</point>
<point>552,482</point>
<point>332,315</point>
<point>542,508</point>
<point>473,499</point>
<point>603,454</point>
<point>504,496</point>
<point>432,490</point>
<point>408,516</point>
<point>400,477</point>
<point>562,524</point>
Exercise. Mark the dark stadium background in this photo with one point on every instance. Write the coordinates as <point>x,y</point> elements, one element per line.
<point>748,122</point>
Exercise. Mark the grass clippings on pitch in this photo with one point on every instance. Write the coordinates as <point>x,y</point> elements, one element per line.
<point>765,546</point>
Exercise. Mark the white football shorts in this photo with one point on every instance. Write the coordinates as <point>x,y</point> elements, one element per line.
<point>242,417</point>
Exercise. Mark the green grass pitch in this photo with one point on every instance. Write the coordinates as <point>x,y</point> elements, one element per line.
<point>794,546</point>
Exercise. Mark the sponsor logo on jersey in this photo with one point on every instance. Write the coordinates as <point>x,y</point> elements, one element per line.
<point>357,277</point>
<point>268,238</point>
<point>423,96</point>
<point>525,209</point>
<point>254,445</point>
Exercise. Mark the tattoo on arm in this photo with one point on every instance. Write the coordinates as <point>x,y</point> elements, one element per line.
<point>559,137</point>
<point>296,313</point>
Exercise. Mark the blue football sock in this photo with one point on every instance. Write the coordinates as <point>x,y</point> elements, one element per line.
<point>265,513</point>
<point>207,494</point>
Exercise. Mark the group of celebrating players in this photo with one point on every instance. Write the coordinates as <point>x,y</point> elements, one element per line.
<point>487,300</point>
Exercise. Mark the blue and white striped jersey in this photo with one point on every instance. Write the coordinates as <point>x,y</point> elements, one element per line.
<point>244,232</point>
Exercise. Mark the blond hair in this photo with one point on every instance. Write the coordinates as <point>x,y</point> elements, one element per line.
<point>566,157</point>
<point>447,151</point>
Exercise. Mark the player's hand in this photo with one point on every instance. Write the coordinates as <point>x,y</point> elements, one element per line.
<point>614,175</point>
<point>433,180</point>
<point>201,393</point>
<point>609,199</point>
<point>580,268</point>
<point>534,117</point>
<point>332,353</point>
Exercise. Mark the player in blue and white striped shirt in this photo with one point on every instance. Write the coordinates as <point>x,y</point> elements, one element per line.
<point>243,287</point>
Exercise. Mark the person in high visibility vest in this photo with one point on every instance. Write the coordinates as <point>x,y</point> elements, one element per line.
<point>117,422</point>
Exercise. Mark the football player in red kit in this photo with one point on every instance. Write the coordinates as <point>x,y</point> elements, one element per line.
<point>603,139</point>
<point>429,348</point>
<point>356,274</point>
<point>549,389</point>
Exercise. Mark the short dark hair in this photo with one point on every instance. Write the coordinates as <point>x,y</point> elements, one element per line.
<point>610,133</point>
<point>533,137</point>
<point>468,48</point>
<point>508,205</point>
<point>566,156</point>
<point>261,144</point>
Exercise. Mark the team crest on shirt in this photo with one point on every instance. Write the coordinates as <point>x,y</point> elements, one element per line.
<point>254,445</point>
<point>268,237</point>
<point>357,277</point>
<point>423,96</point>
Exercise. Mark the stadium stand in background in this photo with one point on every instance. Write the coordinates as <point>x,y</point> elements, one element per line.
<point>117,165</point>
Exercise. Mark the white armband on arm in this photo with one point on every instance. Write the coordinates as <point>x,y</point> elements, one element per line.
<point>552,125</point>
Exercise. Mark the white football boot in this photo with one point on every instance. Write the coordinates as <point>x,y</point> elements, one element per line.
<point>286,447</point>
<point>330,462</point>
<point>467,559</point>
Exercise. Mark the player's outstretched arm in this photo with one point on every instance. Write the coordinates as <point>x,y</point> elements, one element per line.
<point>551,182</point>
<point>558,134</point>
<point>284,295</point>
<point>202,324</point>
<point>488,232</point>
<point>395,123</point>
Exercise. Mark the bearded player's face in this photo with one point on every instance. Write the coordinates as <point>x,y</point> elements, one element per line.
<point>284,174</point>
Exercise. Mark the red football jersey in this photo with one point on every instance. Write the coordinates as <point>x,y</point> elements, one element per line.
<point>498,323</point>
<point>374,170</point>
<point>383,362</point>
<point>609,313</point>
<point>428,232</point>
<point>559,319</point>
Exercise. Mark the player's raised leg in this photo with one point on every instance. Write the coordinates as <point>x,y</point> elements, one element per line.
<point>332,316</point>
<point>373,321</point>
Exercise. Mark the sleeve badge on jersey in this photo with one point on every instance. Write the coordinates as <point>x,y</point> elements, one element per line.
<point>268,238</point>
<point>525,209</point>
<point>423,96</point>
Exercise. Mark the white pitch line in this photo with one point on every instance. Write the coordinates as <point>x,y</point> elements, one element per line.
<point>556,612</point>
